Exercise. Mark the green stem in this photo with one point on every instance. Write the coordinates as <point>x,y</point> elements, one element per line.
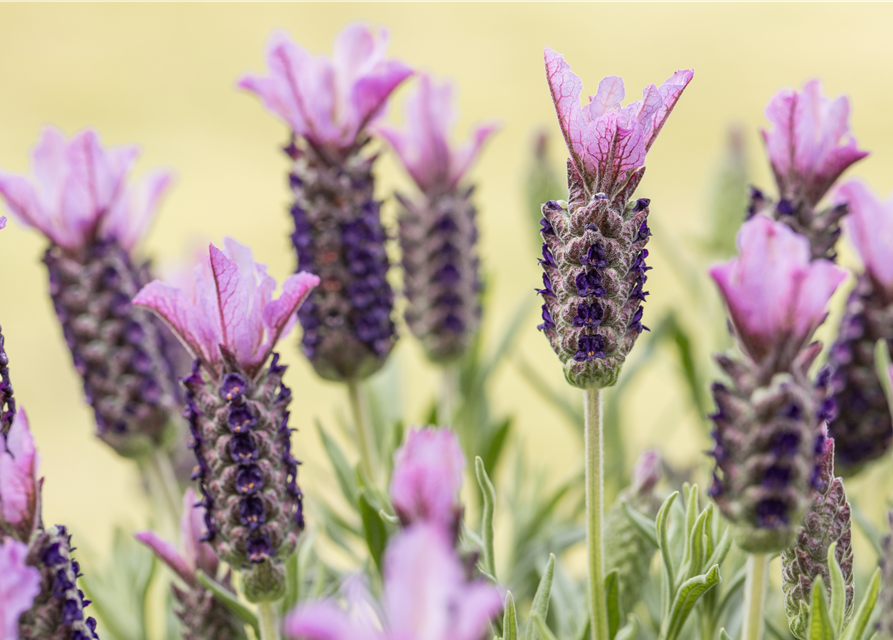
<point>269,622</point>
<point>363,428</point>
<point>446,412</point>
<point>754,595</point>
<point>163,489</point>
<point>595,507</point>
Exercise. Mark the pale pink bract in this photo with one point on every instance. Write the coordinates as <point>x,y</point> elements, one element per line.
<point>19,585</point>
<point>431,160</point>
<point>229,304</point>
<point>329,101</point>
<point>80,191</point>
<point>605,140</point>
<point>2,222</point>
<point>19,486</point>
<point>808,145</point>
<point>775,295</point>
<point>870,227</point>
<point>427,478</point>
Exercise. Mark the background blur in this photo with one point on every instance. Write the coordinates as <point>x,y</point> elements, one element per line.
<point>162,76</point>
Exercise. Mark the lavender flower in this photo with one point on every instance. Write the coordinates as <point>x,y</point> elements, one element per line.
<point>863,430</point>
<point>808,155</point>
<point>438,233</point>
<point>827,522</point>
<point>93,219</point>
<point>594,246</point>
<point>329,105</point>
<point>201,615</point>
<point>237,405</point>
<point>768,418</point>
<point>7,401</point>
<point>19,486</point>
<point>426,596</point>
<point>19,587</point>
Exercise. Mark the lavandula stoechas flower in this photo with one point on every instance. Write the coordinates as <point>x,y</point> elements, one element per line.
<point>808,154</point>
<point>863,430</point>
<point>57,610</point>
<point>767,422</point>
<point>438,232</point>
<point>81,202</point>
<point>236,404</point>
<point>427,595</point>
<point>201,615</point>
<point>594,245</point>
<point>7,401</point>
<point>329,105</point>
<point>827,522</point>
<point>19,587</point>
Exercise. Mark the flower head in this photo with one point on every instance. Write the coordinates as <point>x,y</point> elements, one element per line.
<point>229,307</point>
<point>427,478</point>
<point>329,101</point>
<point>19,486</point>
<point>80,191</point>
<point>870,225</point>
<point>806,144</point>
<point>435,165</point>
<point>776,296</point>
<point>426,597</point>
<point>19,587</point>
<point>605,140</point>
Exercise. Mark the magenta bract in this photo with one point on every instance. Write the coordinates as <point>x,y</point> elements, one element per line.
<point>870,226</point>
<point>19,487</point>
<point>19,586</point>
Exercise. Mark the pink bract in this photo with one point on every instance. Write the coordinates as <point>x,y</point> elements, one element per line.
<point>2,222</point>
<point>808,144</point>
<point>605,140</point>
<point>329,101</point>
<point>19,486</point>
<point>434,164</point>
<point>19,585</point>
<point>870,226</point>
<point>427,478</point>
<point>79,191</point>
<point>229,305</point>
<point>775,295</point>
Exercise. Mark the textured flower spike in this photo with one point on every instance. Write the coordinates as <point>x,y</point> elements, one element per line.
<point>427,596</point>
<point>863,430</point>
<point>19,486</point>
<point>19,587</point>
<point>768,418</point>
<point>594,246</point>
<point>438,232</point>
<point>427,478</point>
<point>237,405</point>
<point>807,152</point>
<point>7,401</point>
<point>826,523</point>
<point>329,105</point>
<point>201,615</point>
<point>81,202</point>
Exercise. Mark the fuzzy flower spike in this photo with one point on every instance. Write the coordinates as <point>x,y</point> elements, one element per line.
<point>809,148</point>
<point>81,201</point>
<point>862,429</point>
<point>438,232</point>
<point>237,405</point>
<point>767,422</point>
<point>594,245</point>
<point>329,105</point>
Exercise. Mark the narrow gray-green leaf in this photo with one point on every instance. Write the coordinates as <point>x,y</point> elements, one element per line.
<point>821,627</point>
<point>612,595</point>
<point>509,618</point>
<point>722,549</point>
<point>642,523</point>
<point>686,598</point>
<point>541,628</point>
<point>292,584</point>
<point>376,534</point>
<point>723,635</point>
<point>489,494</point>
<point>667,570</point>
<point>630,630</point>
<point>386,517</point>
<point>838,590</point>
<point>228,599</point>
<point>540,604</point>
<point>343,471</point>
<point>856,628</point>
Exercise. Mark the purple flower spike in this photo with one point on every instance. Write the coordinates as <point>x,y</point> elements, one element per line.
<point>7,401</point>
<point>19,587</point>
<point>426,597</point>
<point>81,200</point>
<point>19,485</point>
<point>238,410</point>
<point>438,231</point>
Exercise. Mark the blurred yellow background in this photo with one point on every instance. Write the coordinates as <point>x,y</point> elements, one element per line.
<point>162,75</point>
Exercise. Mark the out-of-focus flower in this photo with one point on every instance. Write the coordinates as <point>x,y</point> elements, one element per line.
<point>870,226</point>
<point>237,411</point>
<point>426,597</point>
<point>19,486</point>
<point>18,588</point>
<point>438,232</point>
<point>427,479</point>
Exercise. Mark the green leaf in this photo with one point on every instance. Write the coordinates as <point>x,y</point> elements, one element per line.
<point>856,628</point>
<point>687,360</point>
<point>495,444</point>
<point>722,549</point>
<point>736,583</point>
<point>376,533</point>
<point>489,493</point>
<point>882,368</point>
<point>509,619</point>
<point>543,631</point>
<point>821,627</point>
<point>686,598</point>
<point>343,471</point>
<point>838,590</point>
<point>229,600</point>
<point>642,523</point>
<point>694,549</point>
<point>667,569</point>
<point>612,595</point>
<point>630,630</point>
<point>540,604</point>
<point>723,635</point>
<point>292,584</point>
<point>388,518</point>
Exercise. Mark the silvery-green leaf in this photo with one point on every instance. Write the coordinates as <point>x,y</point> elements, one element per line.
<point>509,619</point>
<point>489,496</point>
<point>667,568</point>
<point>540,604</point>
<point>686,598</point>
<point>856,628</point>
<point>612,595</point>
<point>642,523</point>
<point>229,600</point>
<point>821,627</point>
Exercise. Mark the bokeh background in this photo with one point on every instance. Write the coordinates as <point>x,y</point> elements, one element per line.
<point>163,76</point>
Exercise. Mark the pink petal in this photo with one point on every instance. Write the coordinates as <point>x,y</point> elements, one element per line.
<point>169,555</point>
<point>18,474</point>
<point>22,201</point>
<point>324,620</point>
<point>232,299</point>
<point>465,155</point>
<point>870,227</point>
<point>371,92</point>
<point>279,315</point>
<point>250,289</point>
<point>815,291</point>
<point>354,45</point>
<point>670,92</point>
<point>18,588</point>
<point>608,98</point>
<point>131,214</point>
<point>565,86</point>
<point>198,554</point>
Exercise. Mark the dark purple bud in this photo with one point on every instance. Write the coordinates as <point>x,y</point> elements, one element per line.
<point>548,324</point>
<point>784,207</point>
<point>241,419</point>
<point>547,260</point>
<point>249,480</point>
<point>590,348</point>
<point>595,256</point>
<point>233,387</point>
<point>641,205</point>
<point>546,228</point>
<point>588,315</point>
<point>547,287</point>
<point>589,284</point>
<point>259,549</point>
<point>243,449</point>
